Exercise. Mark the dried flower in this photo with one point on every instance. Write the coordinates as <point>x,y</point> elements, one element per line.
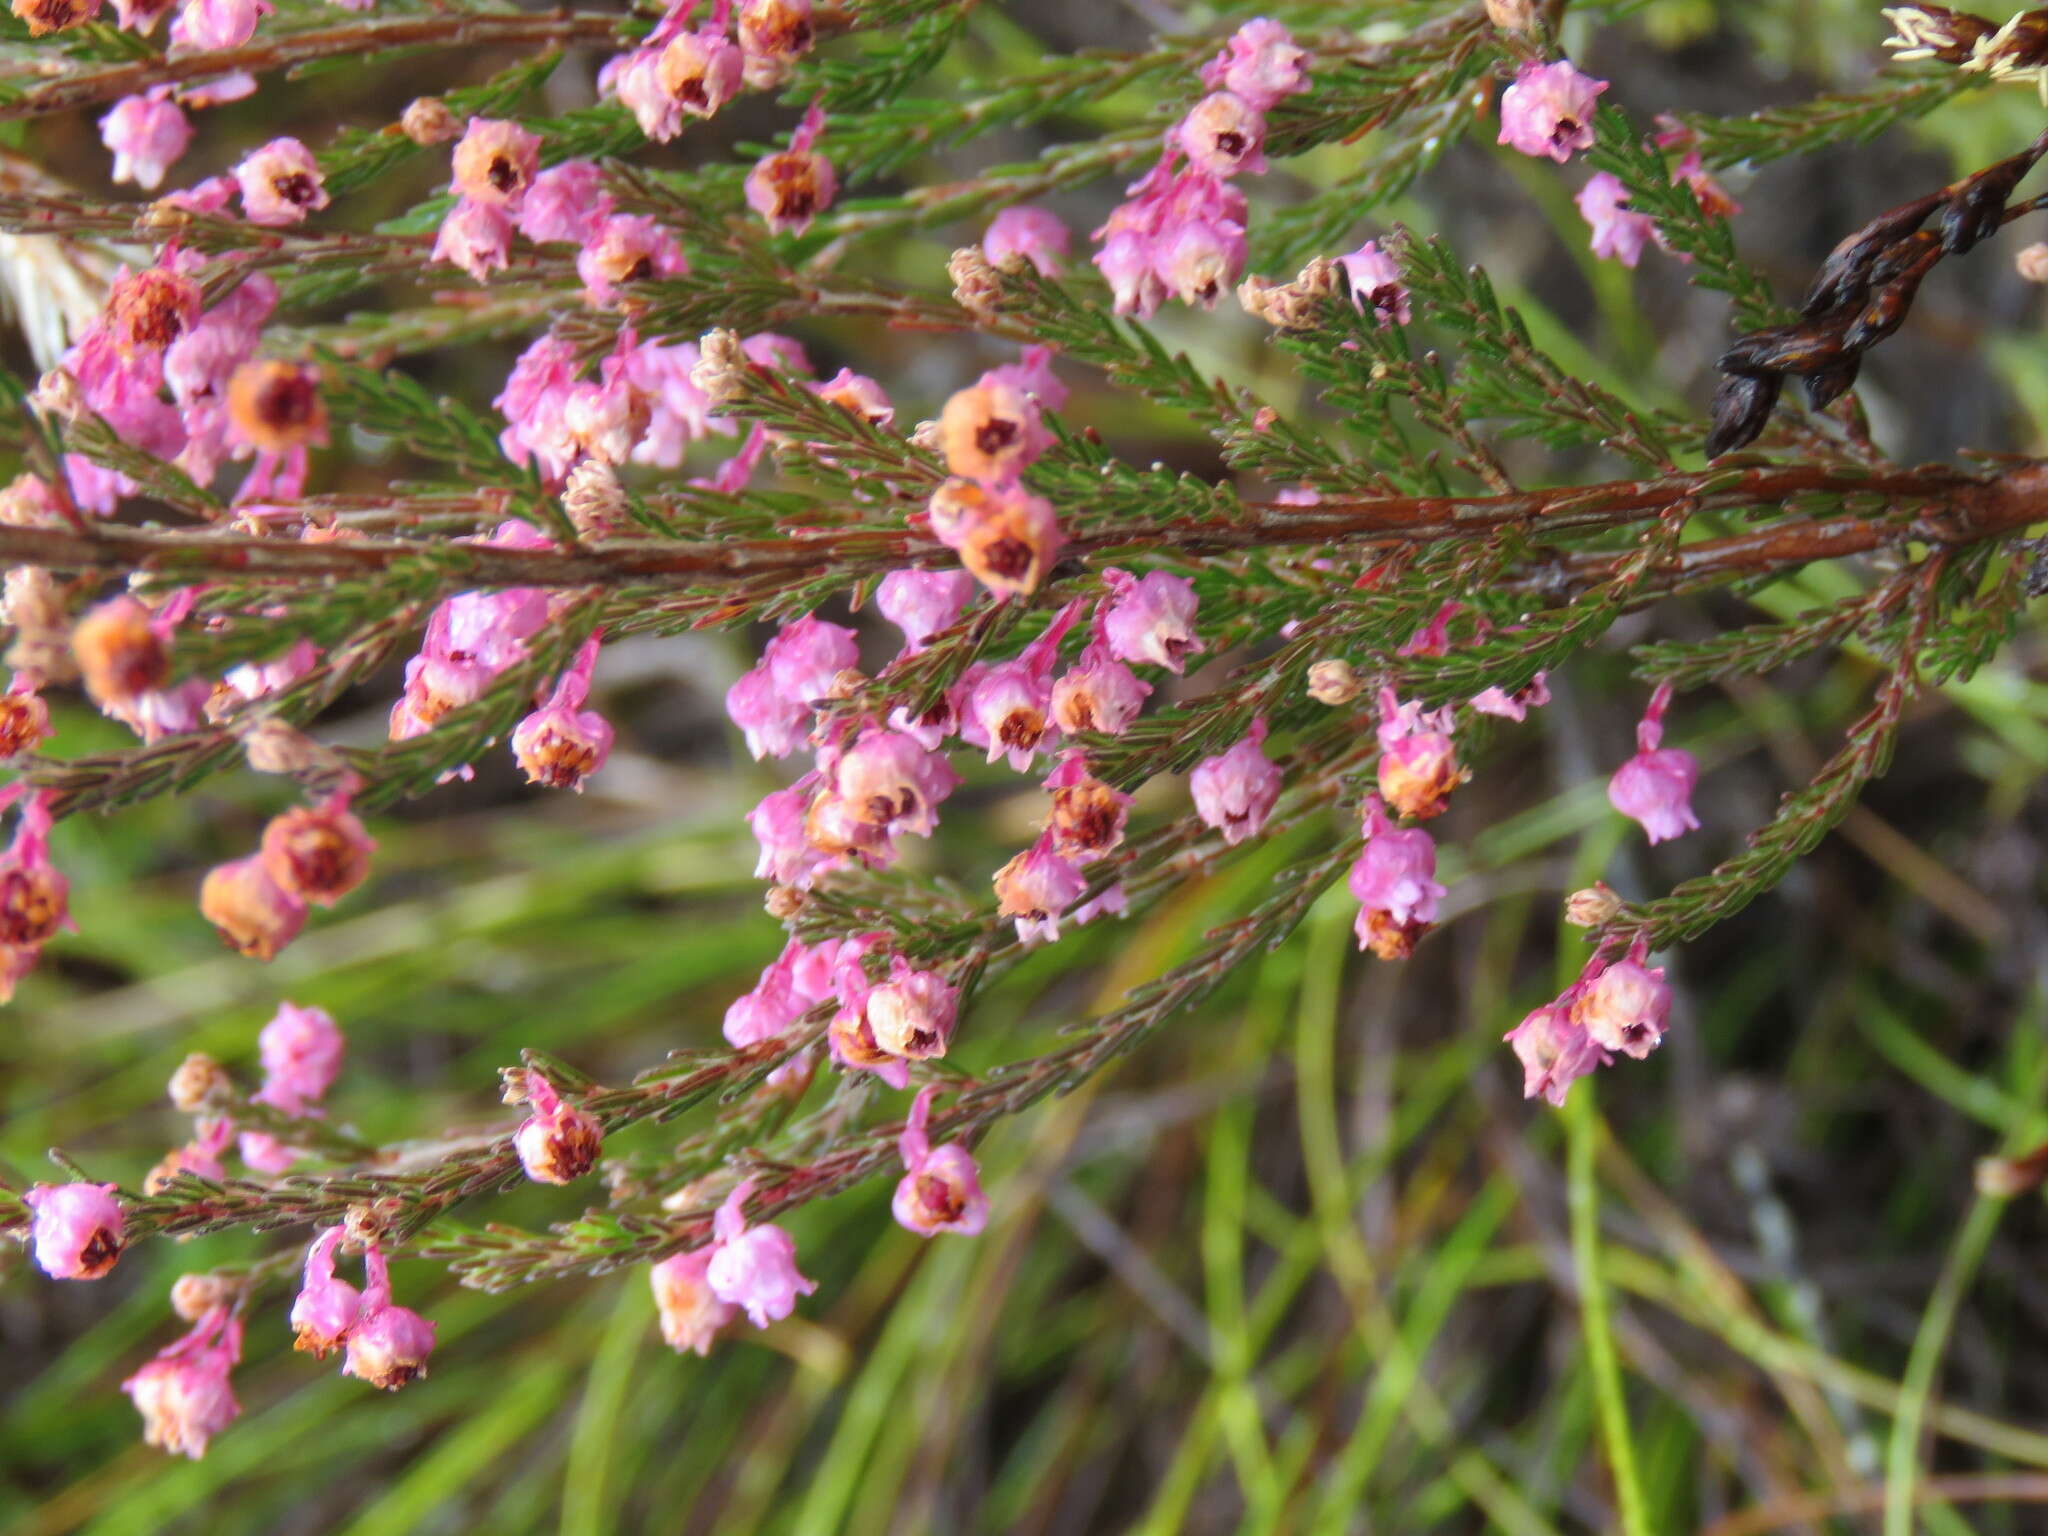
<point>1007,537</point>
<point>1088,817</point>
<point>1591,907</point>
<point>428,120</point>
<point>46,16</point>
<point>256,916</point>
<point>1333,681</point>
<point>200,1083</point>
<point>318,853</point>
<point>195,1295</point>
<point>791,188</point>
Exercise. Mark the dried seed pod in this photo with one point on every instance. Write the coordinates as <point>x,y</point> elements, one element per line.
<point>1976,205</point>
<point>1844,278</point>
<point>1824,388</point>
<point>1783,349</point>
<point>1889,306</point>
<point>1742,405</point>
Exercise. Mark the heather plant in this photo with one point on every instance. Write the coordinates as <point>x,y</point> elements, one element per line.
<point>452,410</point>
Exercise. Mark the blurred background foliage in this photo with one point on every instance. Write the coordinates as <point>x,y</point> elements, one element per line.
<point>1304,1262</point>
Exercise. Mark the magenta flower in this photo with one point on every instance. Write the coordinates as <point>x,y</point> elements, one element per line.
<point>1624,1006</point>
<point>1025,233</point>
<point>562,744</point>
<point>753,1268</point>
<point>941,1188</point>
<point>922,603</point>
<point>1654,788</point>
<point>77,1229</point>
<point>566,203</point>
<point>807,656</point>
<point>1150,618</point>
<point>1374,279</point>
<point>692,1315</point>
<point>1418,759</point>
<point>1618,231</point>
<point>183,1394</point>
<point>1262,64</point>
<point>1549,110</point>
<point>1554,1051</point>
<point>301,1051</point>
<point>913,1013</point>
<point>325,1309</point>
<point>1395,883</point>
<point>1235,790</point>
<point>146,135</point>
<point>1514,706</point>
<point>787,857</point>
<point>635,78</point>
<point>773,724</point>
<point>627,248</point>
<point>477,237</point>
<point>701,71</point>
<point>280,183</point>
<point>389,1345</point>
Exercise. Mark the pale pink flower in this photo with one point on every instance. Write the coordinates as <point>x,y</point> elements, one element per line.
<point>1374,279</point>
<point>627,248</point>
<point>753,1268</point>
<point>566,203</point>
<point>1036,888</point>
<point>913,1013</point>
<point>476,237</point>
<point>1394,881</point>
<point>1099,694</point>
<point>557,1143</point>
<point>1026,233</point>
<point>1418,758</point>
<point>1549,110</point>
<point>1199,261</point>
<point>183,1394</point>
<point>1624,1006</point>
<point>1654,788</point>
<point>858,394</point>
<point>1514,706</point>
<point>301,1051</point>
<point>1618,231</point>
<point>280,183</point>
<point>941,1188</point>
<point>1150,618</point>
<point>791,188</point>
<point>562,744</point>
<point>1224,135</point>
<point>77,1229</point>
<point>495,162</point>
<point>922,603</point>
<point>146,134</point>
<point>1235,790</point>
<point>774,724</point>
<point>214,24</point>
<point>787,857</point>
<point>635,78</point>
<point>807,655</point>
<point>701,71</point>
<point>389,1345</point>
<point>1554,1051</point>
<point>890,780</point>
<point>1262,64</point>
<point>692,1315</point>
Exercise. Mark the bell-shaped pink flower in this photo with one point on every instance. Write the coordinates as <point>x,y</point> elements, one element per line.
<point>389,1344</point>
<point>787,857</point>
<point>627,248</point>
<point>1654,788</point>
<point>941,1188</point>
<point>913,1013</point>
<point>562,744</point>
<point>495,162</point>
<point>1374,279</point>
<point>1235,790</point>
<point>922,603</point>
<point>753,1268</point>
<point>1099,694</point>
<point>1419,764</point>
<point>1549,110</point>
<point>1224,135</point>
<point>1151,618</point>
<point>1036,888</point>
<point>301,1051</point>
<point>1262,64</point>
<point>791,188</point>
<point>215,24</point>
<point>76,1228</point>
<point>146,135</point>
<point>890,780</point>
<point>280,183</point>
<point>557,1143</point>
<point>807,656</point>
<point>1513,706</point>
<point>1624,1006</point>
<point>475,236</point>
<point>35,898</point>
<point>701,71</point>
<point>565,204</point>
<point>1619,232</point>
<point>1009,713</point>
<point>1395,883</point>
<point>326,1308</point>
<point>1021,234</point>
<point>1554,1051</point>
<point>184,1395</point>
<point>692,1315</point>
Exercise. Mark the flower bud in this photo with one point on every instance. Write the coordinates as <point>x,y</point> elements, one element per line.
<point>195,1295</point>
<point>271,746</point>
<point>2004,1178</point>
<point>428,120</point>
<point>2032,262</point>
<point>976,286</point>
<point>722,366</point>
<point>255,915</point>
<point>1589,908</point>
<point>783,902</point>
<point>200,1083</point>
<point>1332,681</point>
<point>1512,15</point>
<point>594,499</point>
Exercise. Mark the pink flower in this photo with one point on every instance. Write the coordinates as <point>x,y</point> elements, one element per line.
<point>562,744</point>
<point>1151,618</point>
<point>1036,888</point>
<point>787,857</point>
<point>691,1313</point>
<point>1655,786</point>
<point>535,395</point>
<point>476,237</point>
<point>627,248</point>
<point>1549,110</point>
<point>566,202</point>
<point>635,78</point>
<point>1009,712</point>
<point>35,899</point>
<point>1395,883</point>
<point>301,1051</point>
<point>557,1143</point>
<point>922,603</point>
<point>1514,706</point>
<point>793,187</point>
<point>146,135</point>
<point>1021,234</point>
<point>1618,232</point>
<point>1625,1006</point>
<point>941,1188</point>
<point>1261,64</point>
<point>1006,536</point>
<point>1418,759</point>
<point>701,71</point>
<point>753,1268</point>
<point>1235,790</point>
<point>807,656</point>
<point>255,915</point>
<point>495,162</point>
<point>913,1013</point>
<point>212,24</point>
<point>1088,817</point>
<point>1223,135</point>
<point>1100,694</point>
<point>326,1308</point>
<point>280,183</point>
<point>1374,279</point>
<point>890,780</point>
<point>183,1394</point>
<point>1201,259</point>
<point>1554,1051</point>
<point>773,724</point>
<point>77,1229</point>
<point>389,1345</point>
